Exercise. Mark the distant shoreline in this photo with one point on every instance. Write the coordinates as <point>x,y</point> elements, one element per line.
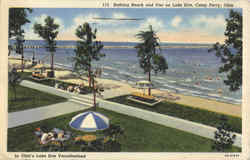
<point>125,47</point>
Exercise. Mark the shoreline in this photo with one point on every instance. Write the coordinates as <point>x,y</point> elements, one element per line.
<point>66,75</point>
<point>126,47</point>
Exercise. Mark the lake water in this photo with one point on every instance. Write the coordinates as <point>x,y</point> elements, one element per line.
<point>192,71</point>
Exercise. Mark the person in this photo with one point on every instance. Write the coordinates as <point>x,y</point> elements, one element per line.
<point>77,89</point>
<point>47,137</point>
<point>70,88</point>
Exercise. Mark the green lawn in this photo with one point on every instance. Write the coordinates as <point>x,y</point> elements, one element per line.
<point>141,136</point>
<point>185,112</point>
<point>28,98</point>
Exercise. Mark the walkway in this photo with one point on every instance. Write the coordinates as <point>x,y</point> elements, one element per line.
<point>75,103</point>
<point>63,108</point>
<point>165,120</point>
<point>37,114</point>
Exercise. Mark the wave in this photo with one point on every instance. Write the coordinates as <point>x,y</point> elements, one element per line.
<point>204,88</point>
<point>116,77</point>
<point>206,80</point>
<point>166,85</point>
<point>175,88</point>
<point>214,95</point>
<point>125,73</point>
<point>171,81</point>
<point>158,81</point>
<point>164,89</point>
<point>130,82</point>
<point>64,65</point>
<point>195,92</point>
<point>188,80</point>
<point>184,84</point>
<point>233,99</point>
<point>105,74</point>
<point>109,68</point>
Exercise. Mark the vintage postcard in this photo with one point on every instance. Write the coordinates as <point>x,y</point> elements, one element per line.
<point>124,80</point>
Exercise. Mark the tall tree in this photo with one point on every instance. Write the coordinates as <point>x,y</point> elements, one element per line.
<point>18,18</point>
<point>149,58</point>
<point>230,52</point>
<point>48,32</point>
<point>14,79</point>
<point>87,49</point>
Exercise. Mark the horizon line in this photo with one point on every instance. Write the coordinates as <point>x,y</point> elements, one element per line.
<point>131,41</point>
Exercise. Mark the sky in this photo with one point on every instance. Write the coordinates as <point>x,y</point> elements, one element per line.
<point>181,25</point>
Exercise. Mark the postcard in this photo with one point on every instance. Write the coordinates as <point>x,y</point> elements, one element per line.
<point>124,80</point>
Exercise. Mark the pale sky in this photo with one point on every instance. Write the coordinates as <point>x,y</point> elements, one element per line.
<point>171,25</point>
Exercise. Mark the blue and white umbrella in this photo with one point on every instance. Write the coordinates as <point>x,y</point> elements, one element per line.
<point>89,122</point>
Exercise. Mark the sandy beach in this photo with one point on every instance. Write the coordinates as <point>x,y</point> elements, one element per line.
<point>196,102</point>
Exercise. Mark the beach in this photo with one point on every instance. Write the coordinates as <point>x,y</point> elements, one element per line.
<point>123,87</point>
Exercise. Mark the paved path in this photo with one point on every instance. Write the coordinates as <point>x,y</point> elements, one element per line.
<point>165,120</point>
<point>37,114</point>
<point>75,103</point>
<point>80,103</point>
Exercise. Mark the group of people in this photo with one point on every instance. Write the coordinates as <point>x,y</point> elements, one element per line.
<point>54,135</point>
<point>75,89</point>
<point>70,88</point>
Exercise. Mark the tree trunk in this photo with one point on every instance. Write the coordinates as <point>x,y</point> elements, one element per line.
<point>9,50</point>
<point>89,76</point>
<point>22,62</point>
<point>52,62</point>
<point>14,93</point>
<point>149,79</point>
<point>94,93</point>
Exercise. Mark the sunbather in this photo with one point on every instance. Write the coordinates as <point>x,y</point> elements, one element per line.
<point>47,137</point>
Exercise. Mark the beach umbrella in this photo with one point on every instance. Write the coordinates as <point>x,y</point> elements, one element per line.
<point>40,66</point>
<point>144,85</point>
<point>89,122</point>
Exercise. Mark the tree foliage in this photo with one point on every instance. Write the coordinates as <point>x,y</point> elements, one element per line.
<point>230,52</point>
<point>17,18</point>
<point>14,79</point>
<point>87,49</point>
<point>149,58</point>
<point>224,138</point>
<point>48,32</point>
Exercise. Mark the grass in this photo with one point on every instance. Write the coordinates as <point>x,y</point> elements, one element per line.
<point>28,98</point>
<point>141,136</point>
<point>185,112</point>
<point>144,99</point>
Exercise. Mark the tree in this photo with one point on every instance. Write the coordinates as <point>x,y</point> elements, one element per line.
<point>18,18</point>
<point>14,79</point>
<point>19,46</point>
<point>230,52</point>
<point>149,58</point>
<point>87,49</point>
<point>48,32</point>
<point>224,139</point>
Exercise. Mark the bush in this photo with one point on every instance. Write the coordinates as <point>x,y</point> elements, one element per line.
<point>224,138</point>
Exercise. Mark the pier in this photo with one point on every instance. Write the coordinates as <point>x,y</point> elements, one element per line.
<point>169,46</point>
